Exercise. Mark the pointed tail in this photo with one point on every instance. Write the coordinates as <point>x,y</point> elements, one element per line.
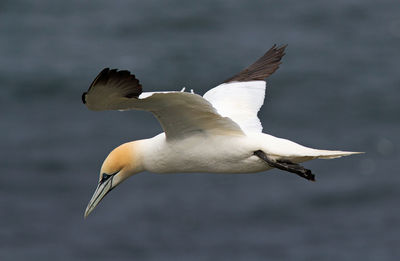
<point>333,154</point>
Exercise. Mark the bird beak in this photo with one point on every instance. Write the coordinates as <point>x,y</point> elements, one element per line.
<point>102,189</point>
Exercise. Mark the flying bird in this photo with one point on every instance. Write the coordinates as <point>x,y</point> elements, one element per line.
<point>218,132</point>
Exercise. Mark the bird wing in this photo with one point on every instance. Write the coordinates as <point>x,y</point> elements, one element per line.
<point>179,113</point>
<point>241,96</point>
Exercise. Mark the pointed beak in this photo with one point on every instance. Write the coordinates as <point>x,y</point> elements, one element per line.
<point>102,189</point>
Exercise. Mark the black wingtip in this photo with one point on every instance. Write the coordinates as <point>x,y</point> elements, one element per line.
<point>263,67</point>
<point>111,83</point>
<point>100,76</point>
<point>84,97</point>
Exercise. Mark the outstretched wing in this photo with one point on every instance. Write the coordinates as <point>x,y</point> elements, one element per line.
<point>179,113</point>
<point>241,96</point>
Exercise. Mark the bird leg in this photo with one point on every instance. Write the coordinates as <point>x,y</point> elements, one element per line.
<point>286,165</point>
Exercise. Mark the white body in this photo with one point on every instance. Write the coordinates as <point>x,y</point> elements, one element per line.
<point>221,154</point>
<point>214,149</point>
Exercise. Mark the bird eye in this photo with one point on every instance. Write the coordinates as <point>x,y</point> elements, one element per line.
<point>104,177</point>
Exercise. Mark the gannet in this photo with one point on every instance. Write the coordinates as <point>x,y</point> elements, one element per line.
<point>218,132</point>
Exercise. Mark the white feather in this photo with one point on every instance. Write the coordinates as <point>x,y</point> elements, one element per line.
<point>239,101</point>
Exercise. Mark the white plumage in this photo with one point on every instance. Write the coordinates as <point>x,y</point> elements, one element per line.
<point>239,101</point>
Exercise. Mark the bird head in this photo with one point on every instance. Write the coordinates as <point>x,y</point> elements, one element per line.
<point>119,165</point>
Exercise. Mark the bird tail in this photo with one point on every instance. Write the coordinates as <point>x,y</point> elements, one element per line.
<point>332,154</point>
<point>289,150</point>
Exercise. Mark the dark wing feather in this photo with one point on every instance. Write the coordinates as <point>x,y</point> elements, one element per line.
<point>111,87</point>
<point>262,68</point>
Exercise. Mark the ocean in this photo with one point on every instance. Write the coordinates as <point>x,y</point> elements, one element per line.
<point>337,88</point>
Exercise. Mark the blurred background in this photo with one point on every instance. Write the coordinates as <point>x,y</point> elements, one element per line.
<point>338,88</point>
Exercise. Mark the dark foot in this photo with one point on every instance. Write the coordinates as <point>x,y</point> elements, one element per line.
<point>286,165</point>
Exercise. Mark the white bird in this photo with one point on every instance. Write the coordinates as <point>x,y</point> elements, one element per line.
<point>218,133</point>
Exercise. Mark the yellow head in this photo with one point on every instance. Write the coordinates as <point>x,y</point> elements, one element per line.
<point>119,165</point>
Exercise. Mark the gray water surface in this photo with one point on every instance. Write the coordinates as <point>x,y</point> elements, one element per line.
<point>338,88</point>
